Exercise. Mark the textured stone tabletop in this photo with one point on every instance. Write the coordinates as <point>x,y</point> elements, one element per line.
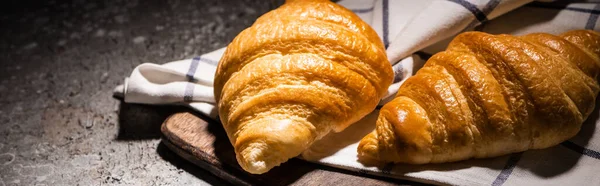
<point>60,60</point>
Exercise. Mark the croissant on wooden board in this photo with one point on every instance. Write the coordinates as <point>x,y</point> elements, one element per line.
<point>489,95</point>
<point>299,72</point>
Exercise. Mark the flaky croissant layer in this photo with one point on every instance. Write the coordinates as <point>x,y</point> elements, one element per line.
<point>300,71</point>
<point>490,95</point>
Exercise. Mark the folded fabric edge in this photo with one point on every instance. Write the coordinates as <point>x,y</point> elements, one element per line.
<point>119,90</point>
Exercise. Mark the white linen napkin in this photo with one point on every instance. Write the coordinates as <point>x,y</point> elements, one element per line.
<point>412,31</point>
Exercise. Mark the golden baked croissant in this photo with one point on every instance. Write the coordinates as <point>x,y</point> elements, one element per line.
<point>489,95</point>
<point>299,72</point>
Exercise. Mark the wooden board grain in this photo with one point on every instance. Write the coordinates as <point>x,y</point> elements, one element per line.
<point>204,143</point>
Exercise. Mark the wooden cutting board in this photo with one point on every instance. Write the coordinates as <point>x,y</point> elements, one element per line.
<point>203,142</point>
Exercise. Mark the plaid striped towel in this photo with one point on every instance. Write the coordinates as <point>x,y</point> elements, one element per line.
<point>412,31</point>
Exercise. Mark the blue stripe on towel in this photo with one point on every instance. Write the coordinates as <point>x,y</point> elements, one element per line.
<point>398,72</point>
<point>581,150</point>
<point>188,95</point>
<point>385,7</point>
<point>473,9</point>
<point>591,23</point>
<point>508,169</point>
<point>487,9</point>
<point>192,69</point>
<point>194,66</point>
<point>490,6</point>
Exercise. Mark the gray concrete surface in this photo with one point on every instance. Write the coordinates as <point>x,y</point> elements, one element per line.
<point>60,60</point>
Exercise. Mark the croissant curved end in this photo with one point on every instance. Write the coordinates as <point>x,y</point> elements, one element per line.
<point>369,153</point>
<point>268,142</point>
<point>252,158</point>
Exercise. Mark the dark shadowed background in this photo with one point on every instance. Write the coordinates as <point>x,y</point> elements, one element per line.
<point>60,60</point>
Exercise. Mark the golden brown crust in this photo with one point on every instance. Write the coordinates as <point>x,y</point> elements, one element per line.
<point>490,95</point>
<point>299,72</point>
